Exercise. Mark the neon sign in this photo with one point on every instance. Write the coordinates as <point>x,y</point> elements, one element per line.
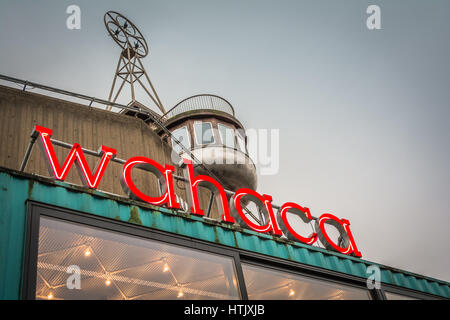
<point>75,155</point>
<point>231,210</point>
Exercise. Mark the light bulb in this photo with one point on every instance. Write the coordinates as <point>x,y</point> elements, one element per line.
<point>108,282</point>
<point>291,292</point>
<point>87,252</point>
<point>180,294</point>
<point>50,296</point>
<point>166,267</point>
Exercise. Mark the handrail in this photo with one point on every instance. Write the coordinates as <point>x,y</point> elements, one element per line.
<point>200,102</point>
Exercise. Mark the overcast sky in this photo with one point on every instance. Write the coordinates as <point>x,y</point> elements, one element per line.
<point>363,114</point>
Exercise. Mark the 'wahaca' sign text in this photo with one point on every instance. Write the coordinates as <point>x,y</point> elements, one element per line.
<point>232,210</point>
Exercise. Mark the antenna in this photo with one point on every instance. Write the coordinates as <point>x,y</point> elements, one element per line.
<point>129,67</point>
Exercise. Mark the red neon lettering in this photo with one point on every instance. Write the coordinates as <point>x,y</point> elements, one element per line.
<point>60,173</point>
<point>266,199</point>
<point>165,174</point>
<point>346,226</point>
<point>154,167</point>
<point>194,182</point>
<point>297,208</point>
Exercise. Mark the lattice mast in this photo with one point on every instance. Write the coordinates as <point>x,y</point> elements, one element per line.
<point>129,67</point>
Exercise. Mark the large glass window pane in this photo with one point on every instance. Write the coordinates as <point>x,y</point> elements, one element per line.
<point>395,296</point>
<point>203,133</point>
<point>118,266</point>
<point>263,284</point>
<point>226,135</point>
<point>182,135</point>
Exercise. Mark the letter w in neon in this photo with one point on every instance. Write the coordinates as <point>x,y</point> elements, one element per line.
<point>60,173</point>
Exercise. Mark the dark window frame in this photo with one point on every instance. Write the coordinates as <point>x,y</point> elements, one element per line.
<point>407,293</point>
<point>328,279</point>
<point>35,209</point>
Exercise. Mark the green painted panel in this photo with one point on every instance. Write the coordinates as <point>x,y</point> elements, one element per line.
<point>13,193</point>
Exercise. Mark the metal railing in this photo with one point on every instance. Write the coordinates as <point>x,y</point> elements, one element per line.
<point>200,102</point>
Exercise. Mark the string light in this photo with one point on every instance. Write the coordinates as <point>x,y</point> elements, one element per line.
<point>87,252</point>
<point>180,291</point>
<point>108,282</point>
<point>291,291</point>
<point>166,265</point>
<point>50,296</point>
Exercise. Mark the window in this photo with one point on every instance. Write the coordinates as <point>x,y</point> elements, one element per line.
<point>113,265</point>
<point>241,142</point>
<point>203,133</point>
<point>395,296</point>
<point>182,135</point>
<point>263,283</point>
<point>226,135</point>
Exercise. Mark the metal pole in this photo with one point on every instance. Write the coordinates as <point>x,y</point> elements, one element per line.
<point>130,72</point>
<point>160,105</point>
<point>114,83</point>
<point>211,199</point>
<point>33,138</point>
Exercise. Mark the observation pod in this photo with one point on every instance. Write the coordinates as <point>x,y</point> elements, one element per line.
<point>205,124</point>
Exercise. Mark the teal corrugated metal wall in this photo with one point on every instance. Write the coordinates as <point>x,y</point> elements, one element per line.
<point>16,188</point>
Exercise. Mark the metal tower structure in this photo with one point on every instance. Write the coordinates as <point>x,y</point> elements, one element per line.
<point>129,67</point>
